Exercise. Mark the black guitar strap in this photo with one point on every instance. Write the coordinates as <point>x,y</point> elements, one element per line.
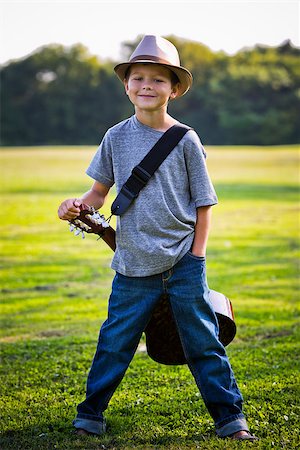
<point>142,173</point>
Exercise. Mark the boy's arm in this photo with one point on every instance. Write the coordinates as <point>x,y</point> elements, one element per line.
<point>69,209</point>
<point>201,230</point>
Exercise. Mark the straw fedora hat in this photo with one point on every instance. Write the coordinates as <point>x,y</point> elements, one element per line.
<point>157,50</point>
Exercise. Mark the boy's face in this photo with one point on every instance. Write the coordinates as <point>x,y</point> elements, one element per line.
<point>149,86</point>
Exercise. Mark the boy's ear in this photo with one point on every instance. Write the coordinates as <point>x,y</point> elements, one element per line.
<point>125,82</point>
<point>175,90</point>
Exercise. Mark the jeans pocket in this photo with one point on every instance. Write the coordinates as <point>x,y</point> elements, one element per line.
<point>198,258</point>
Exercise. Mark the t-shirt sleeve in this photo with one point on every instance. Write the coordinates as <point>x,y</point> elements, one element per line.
<point>201,187</point>
<point>101,166</point>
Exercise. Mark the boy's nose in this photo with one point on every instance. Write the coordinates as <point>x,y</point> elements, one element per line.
<point>147,87</point>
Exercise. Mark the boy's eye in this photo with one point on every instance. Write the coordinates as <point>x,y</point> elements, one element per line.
<point>157,80</point>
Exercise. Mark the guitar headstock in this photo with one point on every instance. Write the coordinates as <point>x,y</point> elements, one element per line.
<point>88,221</point>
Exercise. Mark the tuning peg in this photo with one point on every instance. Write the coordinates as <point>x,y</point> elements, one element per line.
<point>82,235</point>
<point>72,227</point>
<point>77,231</point>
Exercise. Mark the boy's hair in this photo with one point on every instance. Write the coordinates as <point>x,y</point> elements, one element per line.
<point>174,78</point>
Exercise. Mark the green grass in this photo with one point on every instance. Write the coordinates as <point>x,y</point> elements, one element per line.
<point>54,290</point>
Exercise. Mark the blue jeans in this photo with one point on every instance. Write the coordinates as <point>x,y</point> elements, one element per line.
<point>130,306</point>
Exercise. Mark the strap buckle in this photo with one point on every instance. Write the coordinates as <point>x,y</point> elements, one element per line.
<point>141,175</point>
<point>129,193</point>
<point>122,201</point>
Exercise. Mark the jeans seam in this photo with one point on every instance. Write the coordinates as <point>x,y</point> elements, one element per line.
<point>83,416</point>
<point>166,279</point>
<point>229,420</point>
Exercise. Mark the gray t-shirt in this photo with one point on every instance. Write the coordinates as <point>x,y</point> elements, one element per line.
<point>158,227</point>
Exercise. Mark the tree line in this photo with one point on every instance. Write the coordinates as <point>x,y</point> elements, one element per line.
<point>65,95</point>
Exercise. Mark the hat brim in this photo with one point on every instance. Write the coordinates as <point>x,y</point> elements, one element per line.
<point>185,77</point>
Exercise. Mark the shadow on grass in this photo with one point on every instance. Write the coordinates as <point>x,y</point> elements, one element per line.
<point>64,437</point>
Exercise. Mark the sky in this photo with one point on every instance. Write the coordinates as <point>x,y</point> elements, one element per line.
<point>103,25</point>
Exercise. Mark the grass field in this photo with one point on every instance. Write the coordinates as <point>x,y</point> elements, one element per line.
<point>54,290</point>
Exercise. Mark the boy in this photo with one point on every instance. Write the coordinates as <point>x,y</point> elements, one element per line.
<point>161,244</point>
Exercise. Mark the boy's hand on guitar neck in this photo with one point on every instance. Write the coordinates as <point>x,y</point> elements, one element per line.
<point>69,209</point>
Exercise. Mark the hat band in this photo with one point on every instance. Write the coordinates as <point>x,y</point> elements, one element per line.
<point>150,58</point>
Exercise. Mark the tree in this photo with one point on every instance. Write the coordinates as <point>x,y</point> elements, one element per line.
<point>58,95</point>
<point>64,95</point>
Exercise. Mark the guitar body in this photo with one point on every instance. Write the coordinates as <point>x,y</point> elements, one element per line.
<point>162,338</point>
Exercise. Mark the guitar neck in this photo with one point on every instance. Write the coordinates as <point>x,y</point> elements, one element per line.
<point>109,237</point>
